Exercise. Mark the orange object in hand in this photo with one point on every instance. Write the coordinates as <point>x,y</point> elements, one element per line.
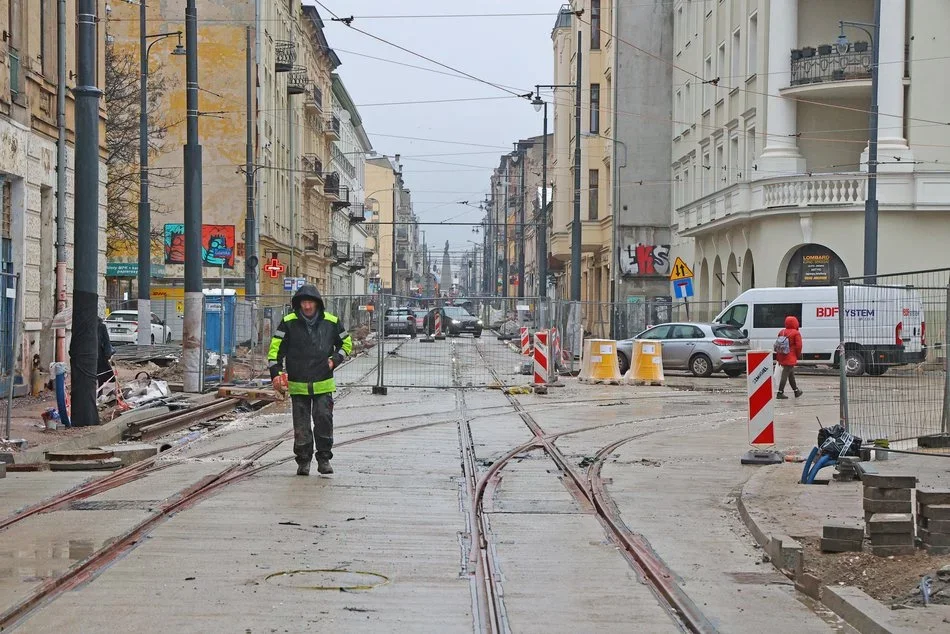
<point>280,383</point>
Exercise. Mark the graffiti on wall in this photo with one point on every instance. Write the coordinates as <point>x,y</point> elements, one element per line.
<point>645,259</point>
<point>213,239</point>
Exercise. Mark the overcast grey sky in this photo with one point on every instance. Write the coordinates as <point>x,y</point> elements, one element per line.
<point>514,51</point>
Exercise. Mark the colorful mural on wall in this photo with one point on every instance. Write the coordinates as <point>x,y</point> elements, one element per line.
<point>645,259</point>
<point>213,239</point>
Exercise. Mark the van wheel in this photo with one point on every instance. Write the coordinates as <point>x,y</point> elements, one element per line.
<point>700,365</point>
<point>854,364</point>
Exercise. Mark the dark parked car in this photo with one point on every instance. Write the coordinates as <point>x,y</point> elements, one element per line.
<point>455,321</point>
<point>399,321</point>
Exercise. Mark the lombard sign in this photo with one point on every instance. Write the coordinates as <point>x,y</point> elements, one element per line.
<point>645,259</point>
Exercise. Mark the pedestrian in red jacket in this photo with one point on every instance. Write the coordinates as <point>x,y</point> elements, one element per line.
<point>788,348</point>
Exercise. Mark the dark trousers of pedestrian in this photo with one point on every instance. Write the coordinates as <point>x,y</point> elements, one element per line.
<point>313,427</point>
<point>788,376</point>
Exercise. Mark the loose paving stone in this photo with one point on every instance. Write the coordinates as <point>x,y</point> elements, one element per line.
<point>889,481</point>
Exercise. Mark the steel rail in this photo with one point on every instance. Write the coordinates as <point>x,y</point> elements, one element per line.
<point>654,570</point>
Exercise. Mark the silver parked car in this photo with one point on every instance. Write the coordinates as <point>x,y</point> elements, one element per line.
<point>700,348</point>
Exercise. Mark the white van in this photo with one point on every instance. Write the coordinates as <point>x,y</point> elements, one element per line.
<point>883,327</point>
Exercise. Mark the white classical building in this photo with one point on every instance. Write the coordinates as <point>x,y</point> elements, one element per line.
<point>348,159</point>
<point>770,140</point>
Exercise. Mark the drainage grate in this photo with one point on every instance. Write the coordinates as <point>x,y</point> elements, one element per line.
<point>114,505</point>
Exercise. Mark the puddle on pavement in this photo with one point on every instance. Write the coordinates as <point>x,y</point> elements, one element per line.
<point>336,579</point>
<point>38,562</point>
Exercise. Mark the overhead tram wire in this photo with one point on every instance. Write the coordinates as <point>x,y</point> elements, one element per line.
<point>349,23</point>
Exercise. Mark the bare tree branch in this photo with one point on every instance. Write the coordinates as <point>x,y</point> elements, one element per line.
<point>122,144</point>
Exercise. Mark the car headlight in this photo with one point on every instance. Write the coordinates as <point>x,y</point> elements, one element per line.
<point>479,322</point>
<point>456,322</point>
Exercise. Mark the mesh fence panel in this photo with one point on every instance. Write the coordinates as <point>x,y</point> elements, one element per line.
<point>893,330</point>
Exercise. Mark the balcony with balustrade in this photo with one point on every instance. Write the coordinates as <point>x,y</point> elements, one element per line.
<point>812,193</point>
<point>332,128</point>
<point>285,54</point>
<point>340,251</point>
<point>312,168</point>
<point>313,103</point>
<point>357,212</point>
<point>298,81</point>
<point>827,72</point>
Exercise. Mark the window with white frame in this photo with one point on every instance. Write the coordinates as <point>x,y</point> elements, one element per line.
<point>735,165</point>
<point>687,190</point>
<point>676,188</point>
<point>708,88</point>
<point>721,66</point>
<point>680,28</point>
<point>750,151</point>
<point>706,175</point>
<point>736,58</point>
<point>688,104</point>
<point>678,112</point>
<point>720,166</point>
<point>752,45</point>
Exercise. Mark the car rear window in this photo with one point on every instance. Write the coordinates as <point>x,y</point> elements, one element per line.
<point>123,317</point>
<point>728,332</point>
<point>397,312</point>
<point>453,311</point>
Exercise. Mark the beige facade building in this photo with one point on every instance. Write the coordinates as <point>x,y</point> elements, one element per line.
<point>770,140</point>
<point>28,166</point>
<point>596,177</point>
<point>294,129</point>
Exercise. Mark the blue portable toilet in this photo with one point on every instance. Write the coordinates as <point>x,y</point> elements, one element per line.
<point>216,313</point>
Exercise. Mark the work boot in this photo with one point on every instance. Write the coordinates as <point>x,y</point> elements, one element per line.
<point>798,393</point>
<point>780,395</point>
<point>303,469</point>
<point>323,466</point>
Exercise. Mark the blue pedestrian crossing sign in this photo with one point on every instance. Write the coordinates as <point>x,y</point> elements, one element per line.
<point>683,288</point>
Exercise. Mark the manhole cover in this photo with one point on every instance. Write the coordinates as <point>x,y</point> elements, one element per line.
<point>114,505</point>
<point>336,579</point>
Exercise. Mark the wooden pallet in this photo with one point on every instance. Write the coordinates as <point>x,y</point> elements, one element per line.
<point>250,394</point>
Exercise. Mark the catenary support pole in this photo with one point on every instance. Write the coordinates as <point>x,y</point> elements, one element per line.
<point>191,344</point>
<point>61,175</point>
<point>576,225</point>
<point>542,230</point>
<point>250,230</point>
<point>870,203</point>
<point>85,341</point>
<point>144,209</point>
<point>521,229</point>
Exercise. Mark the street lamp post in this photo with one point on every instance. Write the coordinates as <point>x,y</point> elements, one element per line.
<point>145,207</point>
<point>870,203</point>
<point>518,156</point>
<point>540,104</point>
<point>194,300</point>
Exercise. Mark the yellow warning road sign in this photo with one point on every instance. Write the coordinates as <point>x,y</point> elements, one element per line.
<point>680,271</point>
<point>180,306</point>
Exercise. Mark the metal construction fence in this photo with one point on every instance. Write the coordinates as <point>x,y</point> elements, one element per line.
<point>396,342</point>
<point>236,333</point>
<point>893,331</point>
<point>10,367</point>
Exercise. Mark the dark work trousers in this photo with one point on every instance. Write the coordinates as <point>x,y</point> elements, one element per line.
<point>313,426</point>
<point>788,375</point>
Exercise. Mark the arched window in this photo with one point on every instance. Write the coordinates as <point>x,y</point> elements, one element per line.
<point>814,265</point>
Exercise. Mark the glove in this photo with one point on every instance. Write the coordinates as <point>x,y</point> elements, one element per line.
<point>280,383</point>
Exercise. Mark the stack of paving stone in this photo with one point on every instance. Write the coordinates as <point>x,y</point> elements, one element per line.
<point>842,538</point>
<point>845,470</point>
<point>888,513</point>
<point>933,520</point>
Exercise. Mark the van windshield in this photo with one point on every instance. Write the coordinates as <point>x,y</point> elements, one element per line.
<point>735,316</point>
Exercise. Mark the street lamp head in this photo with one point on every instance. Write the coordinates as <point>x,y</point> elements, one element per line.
<point>842,44</point>
<point>538,103</point>
<point>179,49</point>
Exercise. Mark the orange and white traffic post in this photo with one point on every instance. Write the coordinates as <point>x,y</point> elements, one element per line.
<point>525,341</point>
<point>761,395</point>
<point>438,326</point>
<point>541,362</point>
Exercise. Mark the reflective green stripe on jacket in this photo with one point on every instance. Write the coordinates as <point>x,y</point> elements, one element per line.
<point>297,388</point>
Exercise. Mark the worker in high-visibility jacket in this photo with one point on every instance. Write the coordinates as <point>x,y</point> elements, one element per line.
<point>312,342</point>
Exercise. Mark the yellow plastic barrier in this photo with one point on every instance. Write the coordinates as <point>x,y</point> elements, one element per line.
<point>599,364</point>
<point>647,363</point>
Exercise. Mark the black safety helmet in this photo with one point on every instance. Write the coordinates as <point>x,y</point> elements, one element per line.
<point>307,291</point>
